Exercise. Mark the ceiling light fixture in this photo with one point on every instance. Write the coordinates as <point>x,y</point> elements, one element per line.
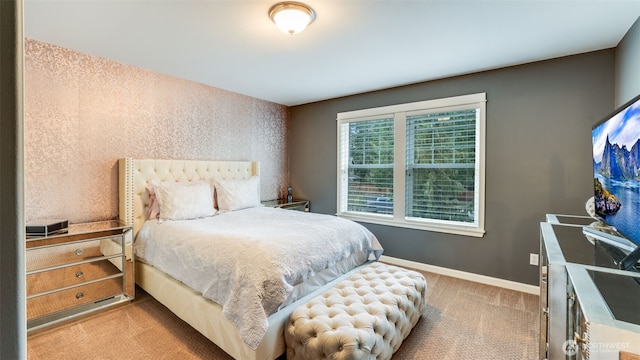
<point>291,17</point>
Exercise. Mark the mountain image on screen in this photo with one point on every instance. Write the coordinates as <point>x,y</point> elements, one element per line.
<point>616,169</point>
<point>619,163</point>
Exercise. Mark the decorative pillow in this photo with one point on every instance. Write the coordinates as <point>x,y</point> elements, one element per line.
<point>184,200</point>
<point>154,206</point>
<point>236,194</point>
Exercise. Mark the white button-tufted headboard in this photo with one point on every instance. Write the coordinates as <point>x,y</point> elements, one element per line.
<point>135,175</point>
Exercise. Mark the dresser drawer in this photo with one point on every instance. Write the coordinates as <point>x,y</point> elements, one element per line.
<point>61,300</point>
<point>47,256</point>
<point>71,275</point>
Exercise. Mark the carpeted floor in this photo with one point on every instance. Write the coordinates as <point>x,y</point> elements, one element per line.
<point>464,320</point>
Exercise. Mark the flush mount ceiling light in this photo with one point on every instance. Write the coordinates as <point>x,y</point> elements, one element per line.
<point>291,17</point>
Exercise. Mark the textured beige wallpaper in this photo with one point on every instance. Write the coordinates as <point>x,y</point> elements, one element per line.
<point>83,112</point>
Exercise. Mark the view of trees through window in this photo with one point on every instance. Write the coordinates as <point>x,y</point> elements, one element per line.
<point>440,165</point>
<point>371,159</point>
<point>441,155</point>
<point>417,165</point>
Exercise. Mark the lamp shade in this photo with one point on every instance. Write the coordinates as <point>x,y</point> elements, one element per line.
<point>291,17</point>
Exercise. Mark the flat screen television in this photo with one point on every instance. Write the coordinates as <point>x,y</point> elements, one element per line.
<point>616,172</point>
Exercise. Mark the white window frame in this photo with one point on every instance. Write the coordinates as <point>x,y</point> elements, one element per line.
<point>475,228</point>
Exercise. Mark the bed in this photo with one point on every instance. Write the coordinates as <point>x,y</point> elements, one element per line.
<point>190,297</point>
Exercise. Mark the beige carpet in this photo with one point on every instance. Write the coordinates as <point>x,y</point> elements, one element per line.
<point>464,320</point>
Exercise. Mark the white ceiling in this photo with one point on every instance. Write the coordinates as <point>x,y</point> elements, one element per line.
<point>353,46</point>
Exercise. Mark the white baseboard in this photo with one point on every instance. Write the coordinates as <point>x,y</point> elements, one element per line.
<point>487,280</point>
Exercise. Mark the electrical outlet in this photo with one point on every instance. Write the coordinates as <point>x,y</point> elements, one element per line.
<point>533,259</point>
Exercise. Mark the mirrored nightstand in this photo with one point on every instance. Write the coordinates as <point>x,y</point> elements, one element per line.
<point>88,268</point>
<point>300,205</point>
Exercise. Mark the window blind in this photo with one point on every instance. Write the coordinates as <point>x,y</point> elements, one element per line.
<point>441,162</point>
<point>417,165</point>
<point>369,168</point>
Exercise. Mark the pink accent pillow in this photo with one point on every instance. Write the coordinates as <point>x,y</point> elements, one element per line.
<point>154,206</point>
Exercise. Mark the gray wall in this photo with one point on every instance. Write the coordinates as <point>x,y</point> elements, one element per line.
<point>538,160</point>
<point>12,289</point>
<point>627,68</point>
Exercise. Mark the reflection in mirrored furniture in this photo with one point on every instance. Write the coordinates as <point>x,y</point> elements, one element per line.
<point>603,310</point>
<point>88,268</point>
<point>597,295</point>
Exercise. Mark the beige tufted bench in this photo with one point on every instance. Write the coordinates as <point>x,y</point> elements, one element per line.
<point>364,317</point>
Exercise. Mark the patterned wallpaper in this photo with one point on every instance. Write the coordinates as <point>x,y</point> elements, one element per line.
<point>83,112</point>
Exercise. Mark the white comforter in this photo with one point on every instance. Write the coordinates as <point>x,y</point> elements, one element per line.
<point>249,260</point>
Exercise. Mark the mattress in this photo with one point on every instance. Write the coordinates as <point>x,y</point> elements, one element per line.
<point>255,261</point>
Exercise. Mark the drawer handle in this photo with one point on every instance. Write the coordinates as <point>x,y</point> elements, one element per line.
<point>79,274</point>
<point>79,295</point>
<point>79,252</point>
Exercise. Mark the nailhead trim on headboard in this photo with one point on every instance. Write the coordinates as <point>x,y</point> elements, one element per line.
<point>125,188</point>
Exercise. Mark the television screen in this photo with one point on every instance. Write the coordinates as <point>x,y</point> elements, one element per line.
<point>616,168</point>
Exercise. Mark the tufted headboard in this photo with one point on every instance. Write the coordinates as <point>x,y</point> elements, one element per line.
<point>136,174</point>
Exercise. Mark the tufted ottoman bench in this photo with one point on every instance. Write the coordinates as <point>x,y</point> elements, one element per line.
<point>366,316</point>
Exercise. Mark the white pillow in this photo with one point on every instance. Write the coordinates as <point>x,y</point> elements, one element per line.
<point>236,194</point>
<point>184,200</point>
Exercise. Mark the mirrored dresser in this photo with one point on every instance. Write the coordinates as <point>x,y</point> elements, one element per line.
<point>72,274</point>
<point>589,307</point>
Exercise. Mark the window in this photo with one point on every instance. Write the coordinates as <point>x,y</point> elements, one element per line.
<point>417,165</point>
